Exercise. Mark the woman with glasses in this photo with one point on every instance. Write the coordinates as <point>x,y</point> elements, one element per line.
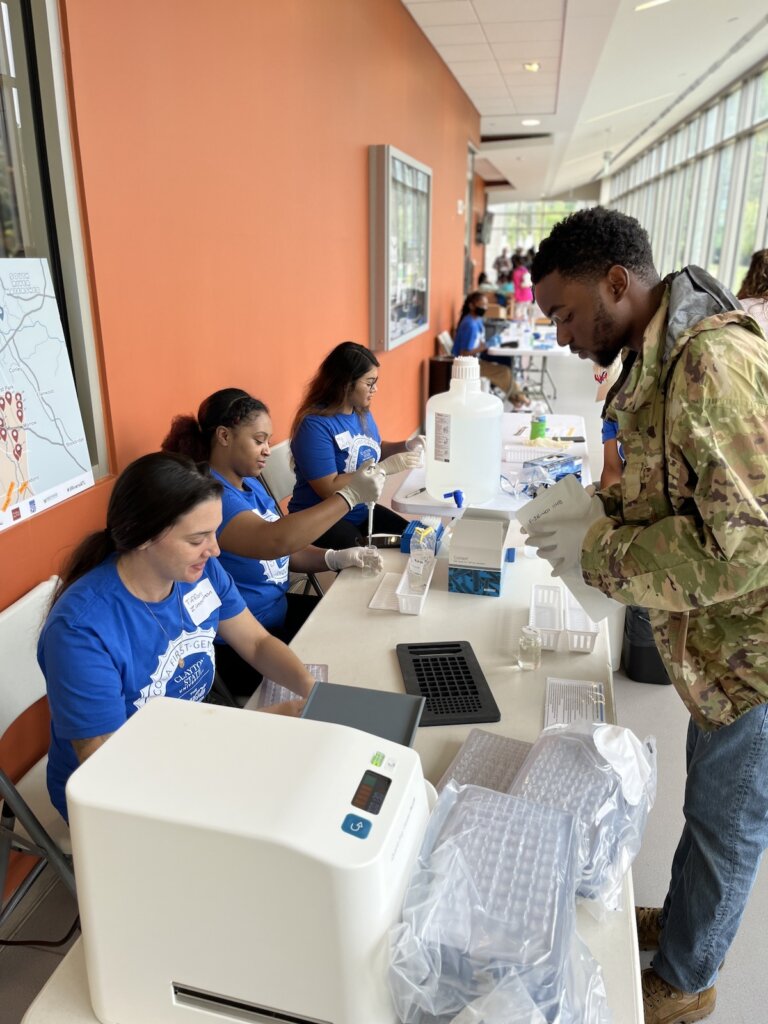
<point>333,433</point>
<point>232,433</point>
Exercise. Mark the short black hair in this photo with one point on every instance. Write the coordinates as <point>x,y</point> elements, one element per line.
<point>589,242</point>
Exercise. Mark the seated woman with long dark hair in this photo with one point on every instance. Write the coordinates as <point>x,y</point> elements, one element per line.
<point>137,610</point>
<point>333,433</point>
<point>232,433</point>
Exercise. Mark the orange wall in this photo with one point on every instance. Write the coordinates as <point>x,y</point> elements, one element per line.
<point>223,155</point>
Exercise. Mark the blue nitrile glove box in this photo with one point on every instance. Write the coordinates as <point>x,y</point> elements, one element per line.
<point>478,553</point>
<point>405,540</point>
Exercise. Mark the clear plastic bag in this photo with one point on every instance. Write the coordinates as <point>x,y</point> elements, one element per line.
<point>606,777</point>
<point>488,928</point>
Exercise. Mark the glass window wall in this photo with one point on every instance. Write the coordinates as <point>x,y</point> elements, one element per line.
<point>702,190</point>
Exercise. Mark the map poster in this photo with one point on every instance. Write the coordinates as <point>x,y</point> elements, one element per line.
<point>43,453</point>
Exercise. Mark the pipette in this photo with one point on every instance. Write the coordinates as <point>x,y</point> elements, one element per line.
<point>371,505</point>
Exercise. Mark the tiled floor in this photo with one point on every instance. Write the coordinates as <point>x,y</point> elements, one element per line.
<point>647,709</point>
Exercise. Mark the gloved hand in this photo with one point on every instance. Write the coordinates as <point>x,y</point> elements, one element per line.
<point>403,460</point>
<point>365,486</point>
<point>351,558</point>
<point>561,545</point>
<point>416,444</point>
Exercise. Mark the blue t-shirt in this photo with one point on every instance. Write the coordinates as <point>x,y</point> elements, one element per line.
<point>105,653</point>
<point>331,444</point>
<point>611,431</point>
<point>469,335</point>
<point>263,584</point>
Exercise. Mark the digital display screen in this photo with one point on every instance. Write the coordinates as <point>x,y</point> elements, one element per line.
<point>369,795</point>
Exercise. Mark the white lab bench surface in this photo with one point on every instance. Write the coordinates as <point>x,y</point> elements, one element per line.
<point>411,499</point>
<point>358,645</point>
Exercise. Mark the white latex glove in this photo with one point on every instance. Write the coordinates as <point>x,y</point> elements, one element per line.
<point>561,545</point>
<point>350,558</point>
<point>403,460</point>
<point>365,486</point>
<point>416,444</point>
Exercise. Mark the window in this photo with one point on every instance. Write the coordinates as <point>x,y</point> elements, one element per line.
<point>731,114</point>
<point>720,210</point>
<point>39,213</point>
<point>701,191</point>
<point>753,204</point>
<point>761,100</point>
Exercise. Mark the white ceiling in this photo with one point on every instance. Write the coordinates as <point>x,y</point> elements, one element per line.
<point>607,72</point>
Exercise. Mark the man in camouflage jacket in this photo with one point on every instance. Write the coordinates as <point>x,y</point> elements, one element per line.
<point>685,534</point>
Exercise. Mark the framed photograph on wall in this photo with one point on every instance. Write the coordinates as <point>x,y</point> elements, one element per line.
<point>400,242</point>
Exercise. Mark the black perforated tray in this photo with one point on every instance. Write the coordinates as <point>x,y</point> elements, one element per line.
<point>449,677</point>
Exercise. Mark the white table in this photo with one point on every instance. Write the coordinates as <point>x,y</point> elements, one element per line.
<point>358,645</point>
<point>543,386</point>
<point>411,499</point>
<point>492,625</point>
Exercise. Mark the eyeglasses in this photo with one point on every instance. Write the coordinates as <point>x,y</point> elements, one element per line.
<point>371,383</point>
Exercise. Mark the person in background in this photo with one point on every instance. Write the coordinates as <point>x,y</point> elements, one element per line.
<point>504,289</point>
<point>753,293</point>
<point>232,433</point>
<point>334,433</point>
<point>684,534</point>
<point>470,341</point>
<point>503,263</point>
<point>136,612</point>
<point>521,279</point>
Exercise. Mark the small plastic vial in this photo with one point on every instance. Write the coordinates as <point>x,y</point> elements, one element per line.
<point>529,649</point>
<point>370,562</point>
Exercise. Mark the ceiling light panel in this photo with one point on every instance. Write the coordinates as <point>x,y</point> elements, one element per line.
<point>526,32</point>
<point>456,35</point>
<point>490,11</point>
<point>443,12</point>
<point>525,51</point>
<point>472,51</point>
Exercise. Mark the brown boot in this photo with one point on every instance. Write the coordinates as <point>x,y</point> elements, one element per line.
<point>665,1004</point>
<point>648,924</point>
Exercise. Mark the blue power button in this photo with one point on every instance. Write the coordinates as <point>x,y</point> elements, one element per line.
<point>356,826</point>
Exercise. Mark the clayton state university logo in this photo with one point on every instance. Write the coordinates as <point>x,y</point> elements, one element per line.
<point>176,670</point>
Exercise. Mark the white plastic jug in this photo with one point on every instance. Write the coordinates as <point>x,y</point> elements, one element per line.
<point>464,437</point>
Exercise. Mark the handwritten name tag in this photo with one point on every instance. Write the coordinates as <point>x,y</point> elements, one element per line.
<point>201,602</point>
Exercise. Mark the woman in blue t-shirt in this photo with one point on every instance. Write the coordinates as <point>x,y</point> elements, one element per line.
<point>334,432</point>
<point>232,433</point>
<point>137,610</point>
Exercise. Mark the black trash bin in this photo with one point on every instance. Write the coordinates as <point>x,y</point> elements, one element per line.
<point>642,661</point>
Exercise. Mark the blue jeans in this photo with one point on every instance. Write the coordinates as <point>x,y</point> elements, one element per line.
<point>716,861</point>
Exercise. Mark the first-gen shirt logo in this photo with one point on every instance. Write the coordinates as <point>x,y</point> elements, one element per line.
<point>275,569</point>
<point>359,449</point>
<point>168,680</point>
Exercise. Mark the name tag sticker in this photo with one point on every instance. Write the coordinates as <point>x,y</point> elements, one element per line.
<point>201,602</point>
<point>343,440</point>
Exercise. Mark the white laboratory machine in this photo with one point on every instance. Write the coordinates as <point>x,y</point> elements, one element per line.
<point>238,866</point>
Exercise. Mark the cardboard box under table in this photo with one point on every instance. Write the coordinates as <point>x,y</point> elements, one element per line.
<point>477,553</point>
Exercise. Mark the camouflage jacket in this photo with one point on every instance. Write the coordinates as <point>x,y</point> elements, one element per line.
<point>687,536</point>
